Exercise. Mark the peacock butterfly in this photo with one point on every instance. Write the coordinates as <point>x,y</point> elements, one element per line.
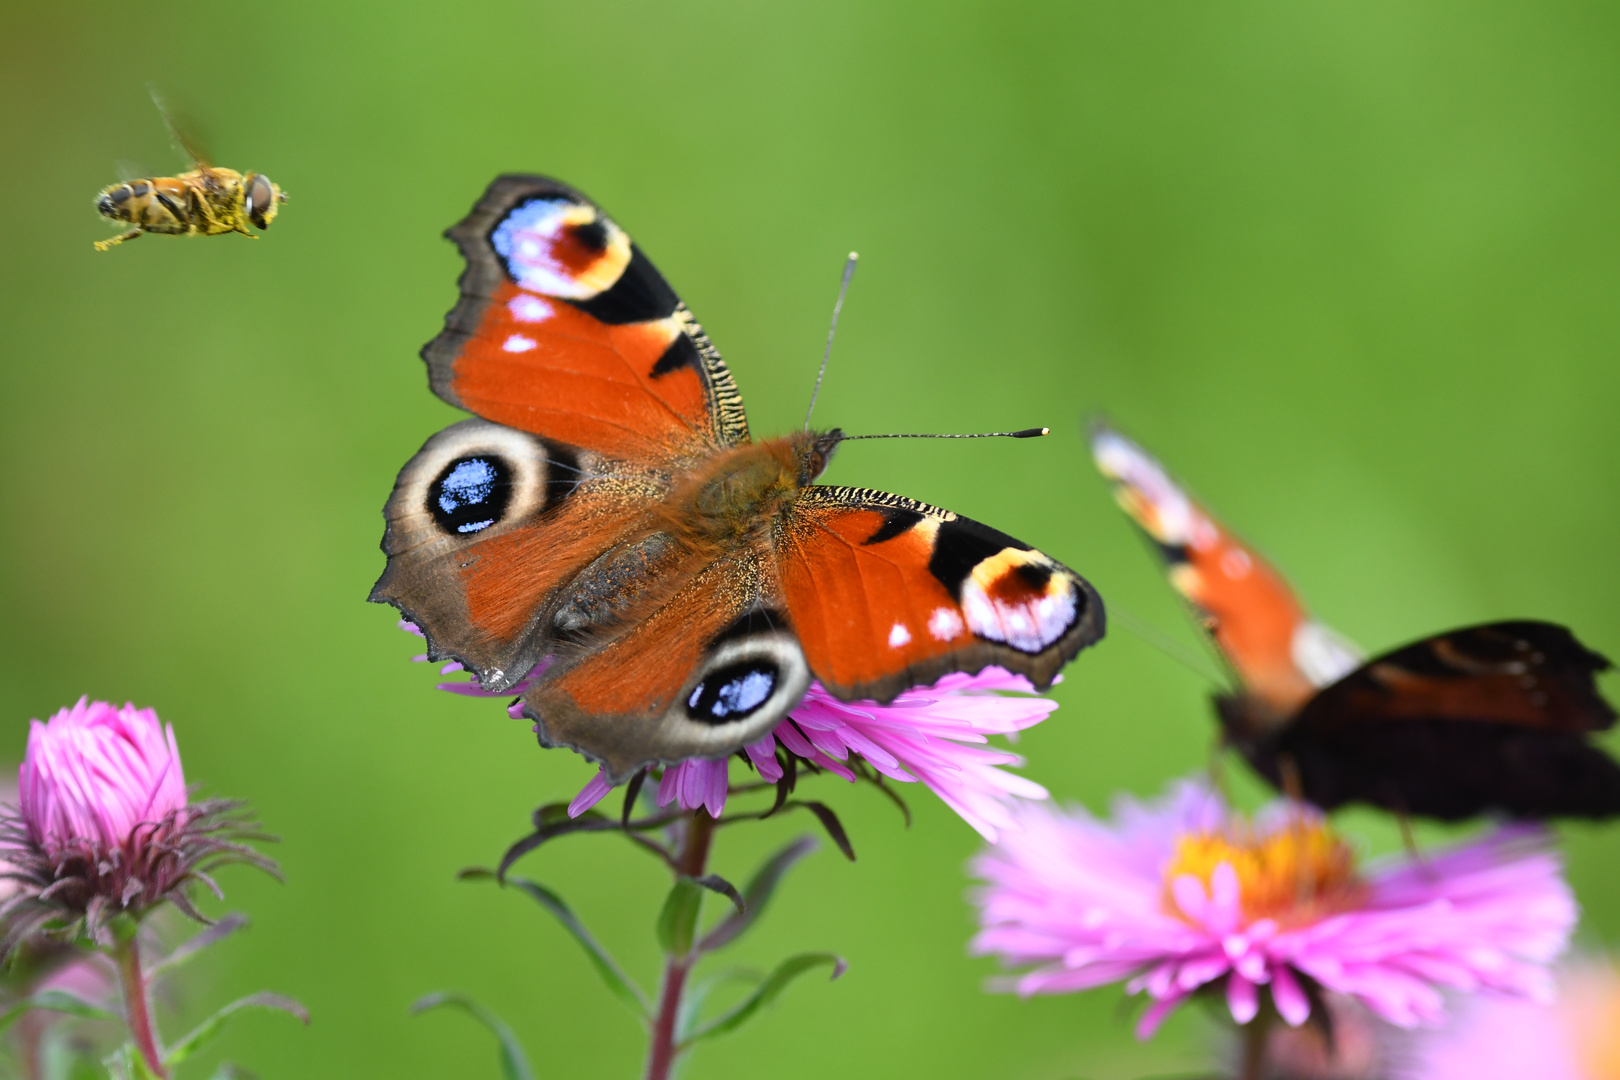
<point>1489,717</point>
<point>605,537</point>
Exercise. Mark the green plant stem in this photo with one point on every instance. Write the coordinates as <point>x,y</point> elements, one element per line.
<point>137,1007</point>
<point>693,859</point>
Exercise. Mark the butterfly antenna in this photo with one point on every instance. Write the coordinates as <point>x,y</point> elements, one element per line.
<point>1026,433</point>
<point>838,305</point>
<point>1151,636</point>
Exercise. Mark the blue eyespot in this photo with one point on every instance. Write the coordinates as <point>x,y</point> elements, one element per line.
<point>733,692</point>
<point>471,494</point>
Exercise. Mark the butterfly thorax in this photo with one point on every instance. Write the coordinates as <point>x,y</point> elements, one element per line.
<point>745,489</point>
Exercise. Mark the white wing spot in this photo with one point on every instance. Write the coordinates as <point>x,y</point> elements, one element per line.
<point>1236,563</point>
<point>899,635</point>
<point>529,308</point>
<point>944,624</point>
<point>519,343</point>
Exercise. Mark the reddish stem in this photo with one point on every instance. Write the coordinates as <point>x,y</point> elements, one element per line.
<point>694,857</point>
<point>1256,1041</point>
<point>137,1009</point>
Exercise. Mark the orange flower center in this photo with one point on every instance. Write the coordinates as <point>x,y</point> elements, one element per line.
<point>1296,874</point>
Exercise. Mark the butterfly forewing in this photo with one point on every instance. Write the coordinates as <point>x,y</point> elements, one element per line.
<point>566,330</point>
<point>887,593</point>
<point>1280,655</point>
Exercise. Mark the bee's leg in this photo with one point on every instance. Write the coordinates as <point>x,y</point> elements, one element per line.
<point>103,245</point>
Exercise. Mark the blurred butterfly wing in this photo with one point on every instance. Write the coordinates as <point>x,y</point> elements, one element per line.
<point>565,330</point>
<point>1490,717</point>
<point>1279,654</point>
<point>712,668</point>
<point>886,593</point>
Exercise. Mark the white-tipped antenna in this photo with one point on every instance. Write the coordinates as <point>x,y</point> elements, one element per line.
<point>838,305</point>
<point>1026,433</point>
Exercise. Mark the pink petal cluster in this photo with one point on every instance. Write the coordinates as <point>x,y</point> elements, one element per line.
<point>934,735</point>
<point>1086,901</point>
<point>93,773</point>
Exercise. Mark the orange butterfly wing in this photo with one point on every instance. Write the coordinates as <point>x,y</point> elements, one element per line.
<point>565,330</point>
<point>886,593</point>
<point>1281,655</point>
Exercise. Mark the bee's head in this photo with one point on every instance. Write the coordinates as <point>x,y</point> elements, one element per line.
<point>262,199</point>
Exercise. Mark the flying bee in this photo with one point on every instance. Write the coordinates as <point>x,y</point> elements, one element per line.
<point>205,201</point>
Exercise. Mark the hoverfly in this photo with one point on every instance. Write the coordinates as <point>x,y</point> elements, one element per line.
<point>206,201</point>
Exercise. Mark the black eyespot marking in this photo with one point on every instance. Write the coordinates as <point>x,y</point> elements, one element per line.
<point>140,187</point>
<point>592,235</point>
<point>640,295</point>
<point>734,692</point>
<point>963,544</point>
<point>1035,575</point>
<point>1173,554</point>
<point>896,520</point>
<point>681,353</point>
<point>119,195</point>
<point>470,494</point>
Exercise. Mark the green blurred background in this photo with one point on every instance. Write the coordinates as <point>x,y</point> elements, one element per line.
<point>1351,269</point>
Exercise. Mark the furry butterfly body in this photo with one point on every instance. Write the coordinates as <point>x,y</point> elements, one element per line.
<point>605,537</point>
<point>1481,718</point>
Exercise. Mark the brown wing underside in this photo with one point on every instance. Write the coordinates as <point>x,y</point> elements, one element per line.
<point>1525,673</point>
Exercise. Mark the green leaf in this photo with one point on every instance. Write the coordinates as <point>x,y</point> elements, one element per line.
<point>829,821</point>
<point>756,894</point>
<point>698,993</point>
<point>767,992</point>
<point>677,923</point>
<point>617,981</point>
<point>126,1063</point>
<point>514,1064</point>
<point>195,944</point>
<point>204,1033</point>
<point>55,1001</point>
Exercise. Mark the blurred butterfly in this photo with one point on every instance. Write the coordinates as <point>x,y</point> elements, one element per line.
<point>608,520</point>
<point>1489,717</point>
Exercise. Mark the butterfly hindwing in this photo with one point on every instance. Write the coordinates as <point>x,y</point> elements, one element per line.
<point>886,593</point>
<point>565,330</point>
<point>712,667</point>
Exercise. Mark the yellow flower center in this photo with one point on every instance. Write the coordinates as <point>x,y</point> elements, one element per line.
<point>1295,874</point>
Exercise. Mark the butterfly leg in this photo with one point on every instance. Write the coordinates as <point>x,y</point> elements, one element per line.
<point>1408,840</point>
<point>1293,786</point>
<point>103,245</point>
<point>1217,763</point>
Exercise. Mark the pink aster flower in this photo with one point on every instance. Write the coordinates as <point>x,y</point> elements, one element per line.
<point>935,735</point>
<point>1184,895</point>
<point>1576,1037</point>
<point>105,827</point>
<point>93,773</point>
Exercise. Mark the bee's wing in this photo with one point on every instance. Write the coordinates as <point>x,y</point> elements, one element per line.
<point>131,170</point>
<point>182,129</point>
